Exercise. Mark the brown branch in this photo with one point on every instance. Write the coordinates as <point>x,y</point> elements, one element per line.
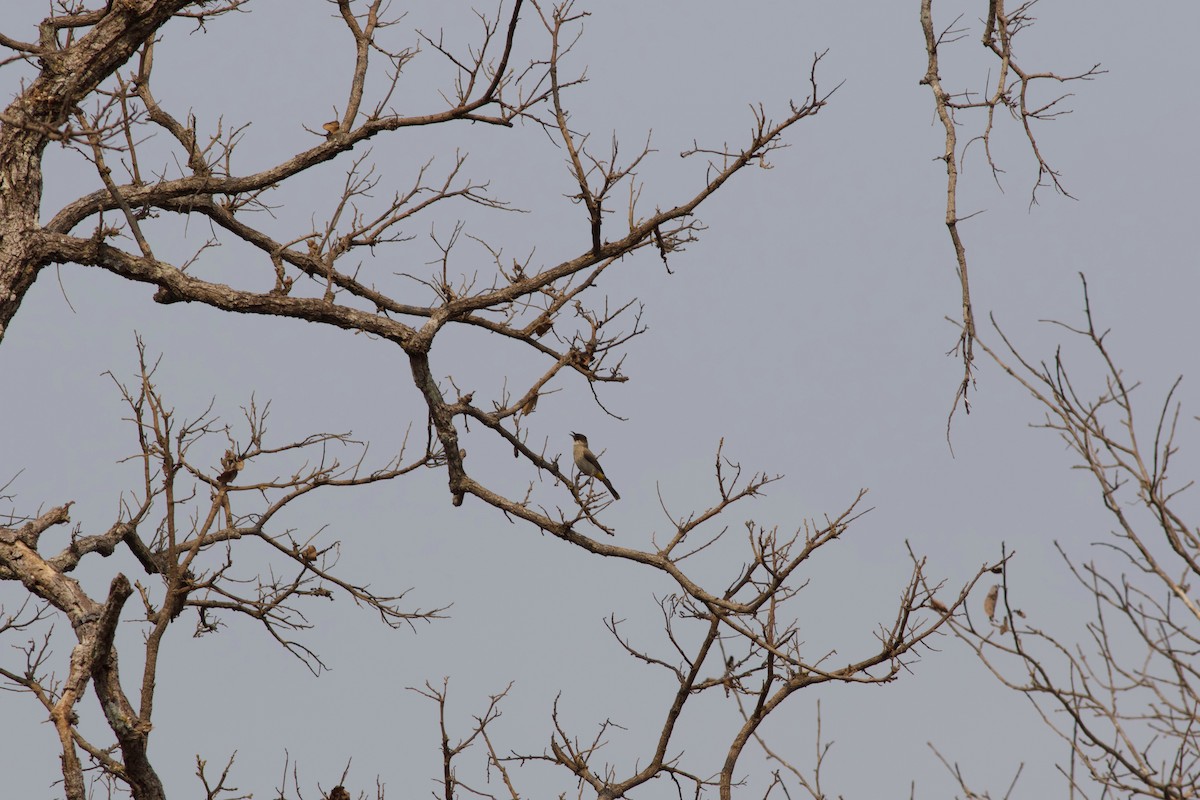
<point>1000,29</point>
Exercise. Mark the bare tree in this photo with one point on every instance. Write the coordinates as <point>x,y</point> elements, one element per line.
<point>1014,88</point>
<point>192,521</point>
<point>1122,696</point>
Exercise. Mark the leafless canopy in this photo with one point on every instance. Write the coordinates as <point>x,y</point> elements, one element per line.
<point>1124,698</point>
<point>191,521</point>
<point>1014,88</point>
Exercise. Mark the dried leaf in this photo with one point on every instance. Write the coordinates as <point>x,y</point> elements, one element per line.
<point>989,602</point>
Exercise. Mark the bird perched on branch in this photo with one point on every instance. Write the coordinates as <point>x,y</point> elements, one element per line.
<point>588,464</point>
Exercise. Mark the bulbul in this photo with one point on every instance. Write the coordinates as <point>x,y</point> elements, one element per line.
<point>588,464</point>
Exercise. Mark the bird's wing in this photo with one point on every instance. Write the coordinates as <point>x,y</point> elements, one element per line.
<point>590,457</point>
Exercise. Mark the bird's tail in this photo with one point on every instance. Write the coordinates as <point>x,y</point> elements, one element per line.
<point>608,483</point>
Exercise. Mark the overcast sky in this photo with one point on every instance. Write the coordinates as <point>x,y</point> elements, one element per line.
<point>806,327</point>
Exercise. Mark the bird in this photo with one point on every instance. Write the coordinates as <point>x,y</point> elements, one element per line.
<point>588,464</point>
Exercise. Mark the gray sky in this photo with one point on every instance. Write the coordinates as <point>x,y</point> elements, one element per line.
<point>805,327</point>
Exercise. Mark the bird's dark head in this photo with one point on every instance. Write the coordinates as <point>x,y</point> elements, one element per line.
<point>579,437</point>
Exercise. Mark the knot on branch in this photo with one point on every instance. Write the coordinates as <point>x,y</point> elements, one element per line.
<point>165,295</point>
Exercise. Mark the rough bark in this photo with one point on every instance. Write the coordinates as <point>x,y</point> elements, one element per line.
<point>42,114</point>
